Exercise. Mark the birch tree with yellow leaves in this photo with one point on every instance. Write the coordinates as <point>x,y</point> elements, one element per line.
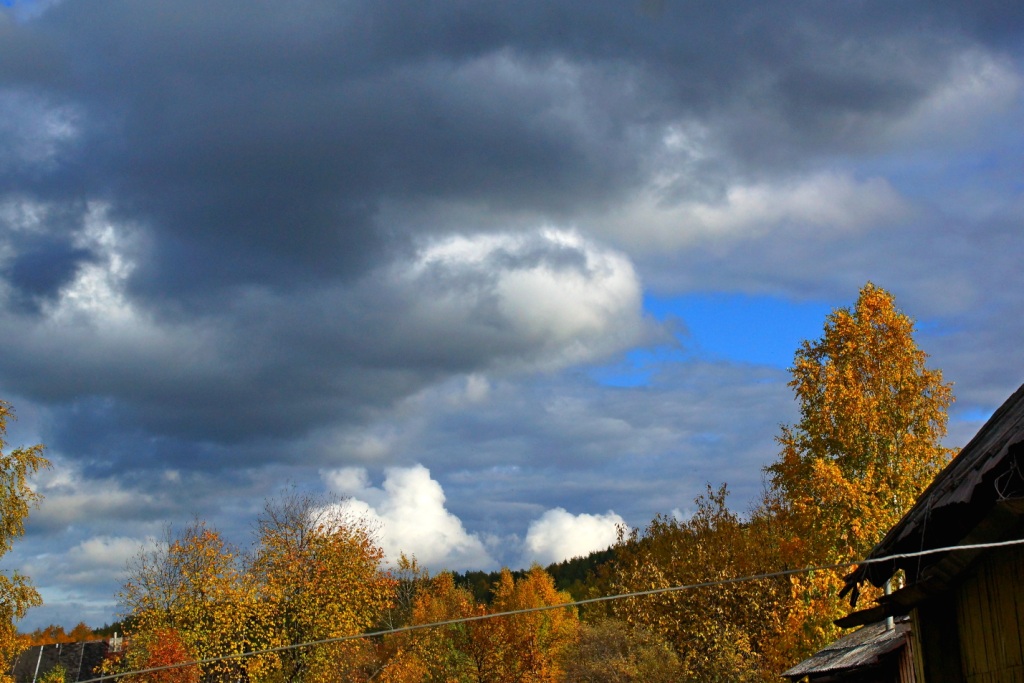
<point>16,499</point>
<point>868,442</point>
<point>187,600</point>
<point>721,633</point>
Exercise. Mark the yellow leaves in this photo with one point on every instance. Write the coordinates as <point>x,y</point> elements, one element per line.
<point>523,647</point>
<point>16,499</point>
<point>306,580</point>
<point>872,417</point>
<point>161,647</point>
<point>526,647</point>
<point>719,633</point>
<point>611,650</point>
<point>868,442</point>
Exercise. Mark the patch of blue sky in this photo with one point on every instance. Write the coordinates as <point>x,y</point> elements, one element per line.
<point>637,367</point>
<point>973,414</point>
<point>759,330</point>
<point>756,330</point>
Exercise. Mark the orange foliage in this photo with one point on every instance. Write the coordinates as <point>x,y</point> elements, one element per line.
<point>314,575</point>
<point>529,646</point>
<point>163,647</point>
<point>523,647</point>
<point>867,443</point>
<point>55,634</point>
<point>872,417</point>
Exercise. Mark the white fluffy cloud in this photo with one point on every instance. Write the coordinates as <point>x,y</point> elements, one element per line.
<point>559,535</point>
<point>550,296</point>
<point>410,510</point>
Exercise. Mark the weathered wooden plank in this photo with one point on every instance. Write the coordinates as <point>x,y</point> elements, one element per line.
<point>991,624</point>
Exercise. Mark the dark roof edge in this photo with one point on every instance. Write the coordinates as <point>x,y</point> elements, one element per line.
<point>940,576</point>
<point>952,473</point>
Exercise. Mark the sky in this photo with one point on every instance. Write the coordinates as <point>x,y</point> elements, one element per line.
<point>501,275</point>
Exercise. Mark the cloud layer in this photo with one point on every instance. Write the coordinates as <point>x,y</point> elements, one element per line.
<point>417,244</point>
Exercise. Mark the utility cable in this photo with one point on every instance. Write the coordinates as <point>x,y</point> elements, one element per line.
<point>576,603</point>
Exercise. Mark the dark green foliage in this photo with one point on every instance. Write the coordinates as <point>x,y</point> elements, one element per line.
<point>569,575</point>
<point>119,627</point>
<point>577,574</point>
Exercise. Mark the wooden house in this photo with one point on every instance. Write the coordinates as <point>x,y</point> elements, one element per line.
<point>966,606</point>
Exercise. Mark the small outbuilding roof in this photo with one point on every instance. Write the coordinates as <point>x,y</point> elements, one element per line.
<point>861,649</point>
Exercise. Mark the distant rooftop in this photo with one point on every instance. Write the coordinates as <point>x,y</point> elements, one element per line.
<point>78,659</point>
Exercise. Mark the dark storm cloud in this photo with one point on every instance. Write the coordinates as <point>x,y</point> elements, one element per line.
<point>257,142</point>
<point>27,57</point>
<point>41,268</point>
<point>269,367</point>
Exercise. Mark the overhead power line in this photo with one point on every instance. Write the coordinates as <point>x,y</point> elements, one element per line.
<point>576,603</point>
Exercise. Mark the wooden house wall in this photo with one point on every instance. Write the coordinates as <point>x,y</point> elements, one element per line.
<point>906,672</point>
<point>990,613</point>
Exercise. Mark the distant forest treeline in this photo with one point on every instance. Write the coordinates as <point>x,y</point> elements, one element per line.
<point>572,576</point>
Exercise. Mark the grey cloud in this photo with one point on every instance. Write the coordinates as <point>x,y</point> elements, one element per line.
<point>257,142</point>
<point>41,269</point>
<point>28,57</point>
<point>270,367</point>
<point>565,442</point>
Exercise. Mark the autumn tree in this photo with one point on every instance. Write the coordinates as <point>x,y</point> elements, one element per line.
<point>158,648</point>
<point>188,590</point>
<point>318,573</point>
<point>490,648</point>
<point>868,442</point>
<point>54,633</point>
<point>872,418</point>
<point>612,651</point>
<point>529,647</point>
<point>16,499</point>
<point>445,653</point>
<point>718,633</point>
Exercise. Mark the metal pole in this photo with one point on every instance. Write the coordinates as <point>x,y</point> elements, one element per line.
<point>889,625</point>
